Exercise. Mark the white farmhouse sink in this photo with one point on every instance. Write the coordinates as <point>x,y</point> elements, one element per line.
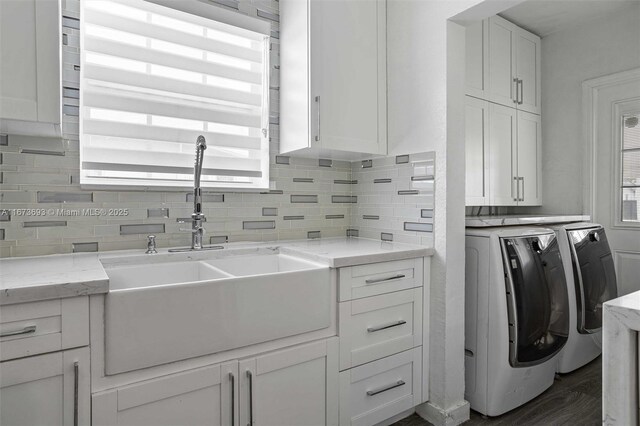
<point>241,266</point>
<point>146,275</point>
<point>156,313</point>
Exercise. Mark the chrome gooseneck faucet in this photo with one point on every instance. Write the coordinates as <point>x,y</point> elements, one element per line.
<point>197,230</point>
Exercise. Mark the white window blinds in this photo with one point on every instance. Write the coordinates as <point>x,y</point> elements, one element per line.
<point>152,79</point>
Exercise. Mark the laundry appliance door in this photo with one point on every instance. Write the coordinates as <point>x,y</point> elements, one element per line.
<point>537,302</point>
<point>594,276</point>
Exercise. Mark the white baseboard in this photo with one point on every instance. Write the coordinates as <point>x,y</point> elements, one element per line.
<point>396,418</point>
<point>439,417</point>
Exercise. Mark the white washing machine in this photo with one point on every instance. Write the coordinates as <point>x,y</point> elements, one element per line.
<point>591,281</point>
<point>516,315</point>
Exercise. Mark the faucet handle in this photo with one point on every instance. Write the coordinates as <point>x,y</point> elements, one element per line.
<point>151,244</point>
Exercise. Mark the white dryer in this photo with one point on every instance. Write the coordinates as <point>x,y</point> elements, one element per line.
<point>591,281</point>
<point>516,315</point>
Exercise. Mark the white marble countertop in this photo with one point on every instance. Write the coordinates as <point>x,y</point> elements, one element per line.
<point>27,279</point>
<point>30,279</point>
<point>508,220</point>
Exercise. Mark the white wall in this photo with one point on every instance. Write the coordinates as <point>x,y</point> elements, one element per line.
<point>607,45</point>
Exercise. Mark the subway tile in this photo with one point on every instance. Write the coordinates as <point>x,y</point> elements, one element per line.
<point>386,236</point>
<point>158,212</point>
<point>334,216</point>
<point>207,198</point>
<point>259,224</point>
<point>269,211</point>
<point>282,159</point>
<point>84,247</point>
<point>42,152</point>
<point>419,227</point>
<point>427,213</point>
<point>219,239</point>
<point>402,159</point>
<point>143,228</point>
<point>323,162</point>
<point>44,223</point>
<point>304,199</point>
<point>344,199</point>
<point>313,234</point>
<point>64,197</point>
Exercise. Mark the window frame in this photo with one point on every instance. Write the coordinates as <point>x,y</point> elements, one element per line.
<point>620,110</point>
<point>210,11</point>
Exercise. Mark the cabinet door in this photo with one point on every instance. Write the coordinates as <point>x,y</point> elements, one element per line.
<point>30,60</point>
<point>348,74</point>
<point>41,390</point>
<point>502,62</point>
<point>528,71</point>
<point>477,151</point>
<point>502,156</point>
<point>201,396</point>
<point>529,159</point>
<point>297,386</point>
<point>477,63</point>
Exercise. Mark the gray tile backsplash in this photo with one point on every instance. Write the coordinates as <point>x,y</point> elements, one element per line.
<point>308,198</point>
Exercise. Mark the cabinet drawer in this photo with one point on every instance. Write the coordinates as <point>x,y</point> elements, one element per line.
<point>356,282</point>
<point>379,326</point>
<point>32,328</point>
<point>381,389</point>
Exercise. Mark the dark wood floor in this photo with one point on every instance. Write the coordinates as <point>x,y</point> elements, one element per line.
<point>574,399</point>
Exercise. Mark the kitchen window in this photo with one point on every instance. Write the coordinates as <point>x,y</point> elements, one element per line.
<point>153,78</point>
<point>630,172</point>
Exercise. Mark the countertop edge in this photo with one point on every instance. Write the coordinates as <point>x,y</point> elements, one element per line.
<point>42,292</point>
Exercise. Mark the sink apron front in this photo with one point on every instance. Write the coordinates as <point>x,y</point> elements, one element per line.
<point>150,326</point>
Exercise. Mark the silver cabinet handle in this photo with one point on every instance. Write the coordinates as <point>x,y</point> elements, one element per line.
<point>384,327</point>
<point>515,98</point>
<point>521,101</point>
<point>521,198</point>
<point>250,377</point>
<point>232,379</point>
<point>380,280</point>
<point>516,180</point>
<point>386,388</point>
<point>27,330</point>
<point>318,102</point>
<point>76,378</point>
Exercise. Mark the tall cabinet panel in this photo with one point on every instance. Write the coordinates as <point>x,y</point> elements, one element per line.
<point>477,61</point>
<point>333,77</point>
<point>528,71</point>
<point>502,62</point>
<point>477,151</point>
<point>503,156</point>
<point>529,159</point>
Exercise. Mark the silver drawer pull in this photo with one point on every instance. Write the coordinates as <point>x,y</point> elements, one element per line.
<point>384,327</point>
<point>386,388</point>
<point>76,379</point>
<point>380,280</point>
<point>27,330</point>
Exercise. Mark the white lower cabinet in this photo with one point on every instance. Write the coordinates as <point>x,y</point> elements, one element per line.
<point>51,389</point>
<point>295,386</point>
<point>376,391</point>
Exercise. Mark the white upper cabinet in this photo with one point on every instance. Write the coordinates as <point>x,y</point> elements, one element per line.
<point>529,165</point>
<point>333,78</point>
<point>30,66</point>
<point>514,66</point>
<point>503,64</point>
<point>477,62</point>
